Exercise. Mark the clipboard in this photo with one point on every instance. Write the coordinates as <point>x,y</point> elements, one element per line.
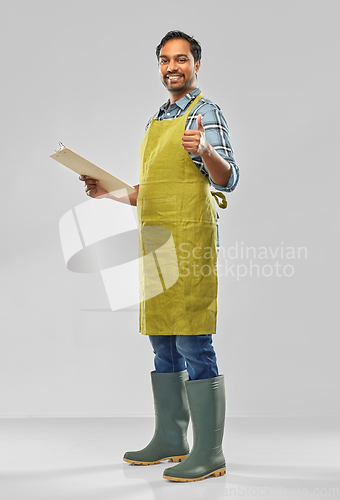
<point>81,166</point>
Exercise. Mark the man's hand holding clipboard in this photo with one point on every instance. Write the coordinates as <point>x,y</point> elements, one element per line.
<point>98,182</point>
<point>94,191</point>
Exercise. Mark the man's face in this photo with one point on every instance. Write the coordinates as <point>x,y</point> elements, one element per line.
<point>177,67</point>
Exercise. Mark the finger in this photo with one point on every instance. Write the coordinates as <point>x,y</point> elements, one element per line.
<point>191,132</point>
<point>91,182</point>
<point>192,150</point>
<point>194,140</point>
<point>200,127</point>
<point>86,178</point>
<point>190,142</point>
<point>187,144</point>
<point>192,137</point>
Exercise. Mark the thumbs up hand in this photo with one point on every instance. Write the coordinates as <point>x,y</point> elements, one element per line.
<point>194,141</point>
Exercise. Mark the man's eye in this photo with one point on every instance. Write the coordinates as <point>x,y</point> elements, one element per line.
<point>162,61</point>
<point>182,60</point>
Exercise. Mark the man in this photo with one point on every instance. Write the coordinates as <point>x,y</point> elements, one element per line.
<point>185,149</point>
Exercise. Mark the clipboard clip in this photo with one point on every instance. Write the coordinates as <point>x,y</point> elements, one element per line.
<point>61,146</point>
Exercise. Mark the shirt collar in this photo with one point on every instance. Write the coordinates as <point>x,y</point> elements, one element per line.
<point>184,101</point>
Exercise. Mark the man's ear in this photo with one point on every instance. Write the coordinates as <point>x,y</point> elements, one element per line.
<point>197,66</point>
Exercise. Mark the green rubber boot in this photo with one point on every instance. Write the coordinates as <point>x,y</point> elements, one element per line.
<point>169,441</point>
<point>207,409</point>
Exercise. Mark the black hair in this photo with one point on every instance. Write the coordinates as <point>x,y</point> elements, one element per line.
<point>195,47</point>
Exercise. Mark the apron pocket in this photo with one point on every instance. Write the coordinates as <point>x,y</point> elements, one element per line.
<point>157,210</point>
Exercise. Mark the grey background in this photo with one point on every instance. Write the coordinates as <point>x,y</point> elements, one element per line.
<point>85,73</point>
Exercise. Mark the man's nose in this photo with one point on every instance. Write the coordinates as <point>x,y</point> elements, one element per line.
<point>172,66</point>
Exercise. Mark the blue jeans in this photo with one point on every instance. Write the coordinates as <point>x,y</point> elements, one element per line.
<point>195,353</point>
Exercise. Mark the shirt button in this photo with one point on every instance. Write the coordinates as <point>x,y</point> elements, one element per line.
<point>168,114</point>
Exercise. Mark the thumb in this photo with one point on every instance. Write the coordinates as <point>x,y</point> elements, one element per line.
<point>199,123</point>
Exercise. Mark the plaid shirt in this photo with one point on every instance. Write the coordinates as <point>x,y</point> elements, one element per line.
<point>216,132</point>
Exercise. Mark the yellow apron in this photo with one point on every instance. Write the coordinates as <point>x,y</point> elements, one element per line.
<point>175,205</point>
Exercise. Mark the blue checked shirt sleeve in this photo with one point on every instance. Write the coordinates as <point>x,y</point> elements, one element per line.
<point>217,134</point>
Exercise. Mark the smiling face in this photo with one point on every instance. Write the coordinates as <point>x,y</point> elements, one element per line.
<point>177,68</point>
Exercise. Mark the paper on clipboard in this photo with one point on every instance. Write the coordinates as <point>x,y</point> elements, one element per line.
<point>81,166</point>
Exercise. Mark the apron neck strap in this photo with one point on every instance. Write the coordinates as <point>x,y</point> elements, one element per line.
<point>192,105</point>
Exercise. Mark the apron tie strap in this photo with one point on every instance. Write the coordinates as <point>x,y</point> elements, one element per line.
<point>220,200</point>
<point>222,203</point>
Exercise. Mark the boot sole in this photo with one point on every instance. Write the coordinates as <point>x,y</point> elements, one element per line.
<point>173,459</point>
<point>216,473</point>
